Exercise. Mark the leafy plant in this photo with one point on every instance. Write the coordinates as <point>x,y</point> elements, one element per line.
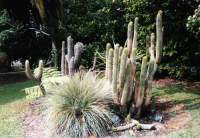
<point>76,108</point>
<point>193,23</point>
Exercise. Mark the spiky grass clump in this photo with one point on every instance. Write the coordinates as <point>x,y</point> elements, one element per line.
<point>76,109</point>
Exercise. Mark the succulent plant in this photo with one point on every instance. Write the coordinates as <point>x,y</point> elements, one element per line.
<point>131,92</point>
<point>72,58</point>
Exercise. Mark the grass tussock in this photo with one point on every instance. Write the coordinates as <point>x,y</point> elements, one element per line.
<point>77,108</point>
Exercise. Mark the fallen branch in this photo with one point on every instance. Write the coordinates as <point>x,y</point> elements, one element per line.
<point>128,126</point>
<point>134,123</point>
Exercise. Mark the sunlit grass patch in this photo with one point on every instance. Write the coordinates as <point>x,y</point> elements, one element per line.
<point>12,106</point>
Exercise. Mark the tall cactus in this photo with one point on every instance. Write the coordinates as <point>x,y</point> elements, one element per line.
<point>115,72</point>
<point>54,54</point>
<point>70,48</point>
<point>108,46</point>
<point>129,91</point>
<point>141,90</point>
<point>125,92</point>
<point>63,58</point>
<point>122,71</point>
<point>130,37</point>
<point>135,37</point>
<point>73,57</point>
<point>110,65</point>
<point>159,36</point>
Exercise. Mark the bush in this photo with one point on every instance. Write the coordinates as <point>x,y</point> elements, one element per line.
<point>76,109</point>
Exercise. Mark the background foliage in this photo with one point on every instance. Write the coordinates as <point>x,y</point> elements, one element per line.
<point>97,22</point>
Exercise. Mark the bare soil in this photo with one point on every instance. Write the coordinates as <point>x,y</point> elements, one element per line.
<point>169,81</point>
<point>174,117</point>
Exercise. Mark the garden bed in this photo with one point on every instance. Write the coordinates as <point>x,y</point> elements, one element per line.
<point>171,120</point>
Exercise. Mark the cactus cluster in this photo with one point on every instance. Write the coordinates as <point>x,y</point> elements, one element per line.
<point>69,61</point>
<point>133,93</point>
<point>39,74</point>
<point>69,65</point>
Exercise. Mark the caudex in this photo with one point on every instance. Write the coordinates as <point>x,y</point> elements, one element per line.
<point>131,92</point>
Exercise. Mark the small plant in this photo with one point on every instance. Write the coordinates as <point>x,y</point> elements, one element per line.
<point>77,107</point>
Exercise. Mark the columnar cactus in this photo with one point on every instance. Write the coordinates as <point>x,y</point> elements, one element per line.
<point>63,58</point>
<point>72,58</point>
<point>110,64</point>
<point>159,36</point>
<point>129,91</point>
<point>108,46</point>
<point>115,71</point>
<point>54,54</point>
<point>37,75</point>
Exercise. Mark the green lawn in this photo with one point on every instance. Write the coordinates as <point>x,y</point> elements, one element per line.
<point>12,106</point>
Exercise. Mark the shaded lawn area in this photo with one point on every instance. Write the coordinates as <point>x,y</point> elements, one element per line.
<point>191,99</point>
<point>12,106</point>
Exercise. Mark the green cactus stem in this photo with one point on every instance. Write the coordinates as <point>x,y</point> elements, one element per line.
<point>130,37</point>
<point>120,51</point>
<point>125,93</point>
<point>152,67</point>
<point>66,65</point>
<point>147,45</point>
<point>152,48</point>
<point>54,54</point>
<point>159,36</point>
<point>37,75</point>
<point>110,64</point>
<point>70,48</point>
<point>122,71</point>
<point>141,89</point>
<point>78,48</point>
<point>115,73</point>
<point>71,67</point>
<point>135,38</point>
<point>63,58</point>
<point>108,46</point>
